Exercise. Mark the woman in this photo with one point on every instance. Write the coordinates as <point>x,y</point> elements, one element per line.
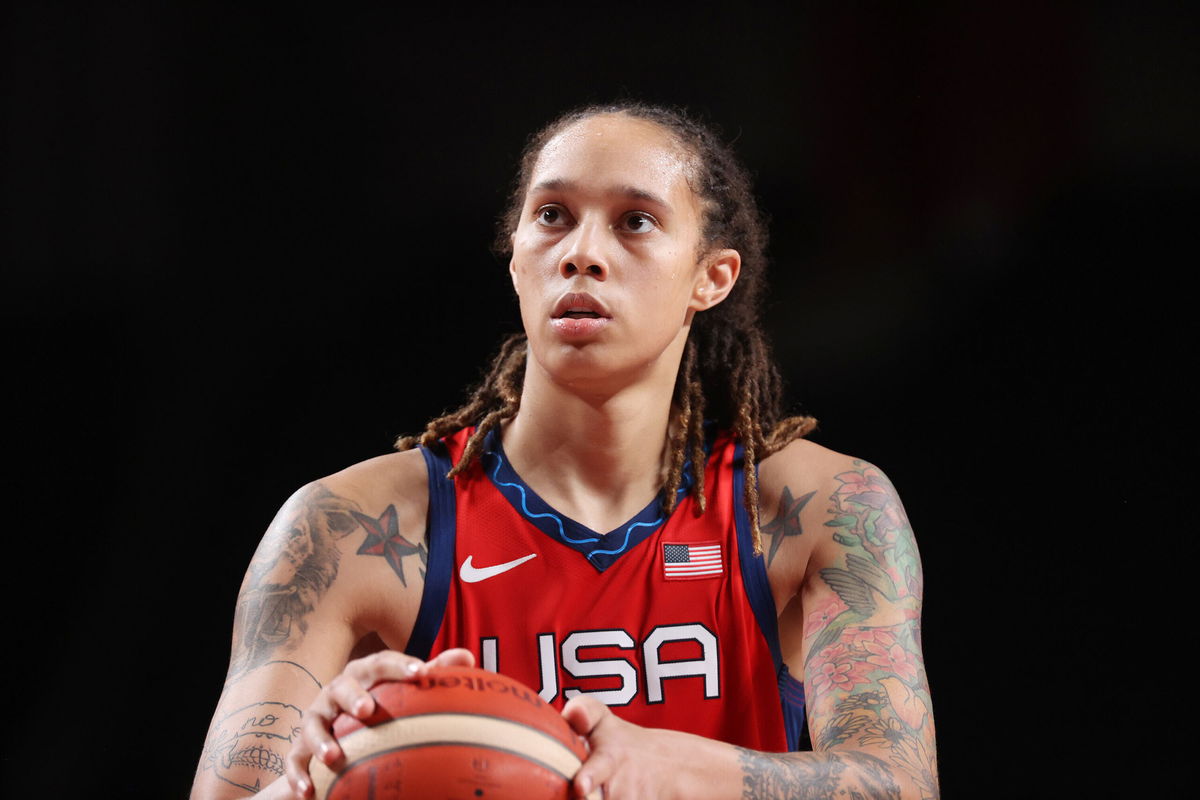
<point>574,544</point>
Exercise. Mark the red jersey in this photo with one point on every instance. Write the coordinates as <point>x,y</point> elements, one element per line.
<point>668,619</point>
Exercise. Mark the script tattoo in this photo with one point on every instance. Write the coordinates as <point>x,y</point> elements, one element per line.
<point>245,747</point>
<point>384,539</point>
<point>296,562</point>
<point>865,673</point>
<point>786,522</point>
<point>808,776</point>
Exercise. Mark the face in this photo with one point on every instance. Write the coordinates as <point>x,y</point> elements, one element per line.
<point>606,258</point>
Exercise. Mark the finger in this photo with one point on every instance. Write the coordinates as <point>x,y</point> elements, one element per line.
<point>589,717</point>
<point>456,657</point>
<point>585,713</point>
<point>296,768</point>
<point>349,693</point>
<point>316,731</point>
<point>386,665</point>
<point>594,775</point>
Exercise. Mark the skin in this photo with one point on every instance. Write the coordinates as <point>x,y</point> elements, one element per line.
<point>610,214</point>
<point>593,422</point>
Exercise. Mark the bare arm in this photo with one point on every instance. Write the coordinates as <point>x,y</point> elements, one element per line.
<point>299,616</point>
<point>848,555</point>
<point>869,709</point>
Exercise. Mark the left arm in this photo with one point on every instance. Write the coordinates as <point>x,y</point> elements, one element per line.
<point>632,763</point>
<point>857,635</point>
<point>848,558</point>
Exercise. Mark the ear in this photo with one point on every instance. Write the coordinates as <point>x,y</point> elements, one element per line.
<point>512,273</point>
<point>715,281</point>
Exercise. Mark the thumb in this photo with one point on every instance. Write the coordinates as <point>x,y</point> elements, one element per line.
<point>456,657</point>
<point>584,714</point>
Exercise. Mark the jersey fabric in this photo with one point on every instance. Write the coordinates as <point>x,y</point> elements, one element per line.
<point>668,619</point>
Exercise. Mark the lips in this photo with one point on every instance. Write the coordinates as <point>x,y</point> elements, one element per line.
<point>579,318</point>
<point>579,305</point>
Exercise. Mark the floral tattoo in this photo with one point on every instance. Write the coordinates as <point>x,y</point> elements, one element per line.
<point>868,697</point>
<point>864,669</point>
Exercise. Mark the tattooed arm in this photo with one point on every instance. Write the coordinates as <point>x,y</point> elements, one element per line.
<point>332,573</point>
<point>844,570</point>
<point>852,630</point>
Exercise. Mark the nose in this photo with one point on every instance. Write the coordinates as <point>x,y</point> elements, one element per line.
<point>585,254</point>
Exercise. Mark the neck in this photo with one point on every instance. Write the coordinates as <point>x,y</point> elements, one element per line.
<point>595,454</point>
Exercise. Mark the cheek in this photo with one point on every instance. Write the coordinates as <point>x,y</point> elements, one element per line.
<point>533,259</point>
<point>522,267</point>
<point>520,239</point>
<point>532,305</point>
<point>673,284</point>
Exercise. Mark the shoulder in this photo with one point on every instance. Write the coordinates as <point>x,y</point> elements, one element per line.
<point>802,478</point>
<point>807,466</point>
<point>806,463</point>
<point>394,480</point>
<point>794,486</point>
<point>814,500</point>
<point>376,505</point>
<point>335,502</point>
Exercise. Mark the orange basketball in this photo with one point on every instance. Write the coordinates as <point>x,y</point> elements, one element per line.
<point>459,733</point>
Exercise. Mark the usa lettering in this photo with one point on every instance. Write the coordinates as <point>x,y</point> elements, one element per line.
<point>569,658</point>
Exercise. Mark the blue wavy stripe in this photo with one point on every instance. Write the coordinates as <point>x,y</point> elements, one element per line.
<point>525,508</point>
<point>625,544</point>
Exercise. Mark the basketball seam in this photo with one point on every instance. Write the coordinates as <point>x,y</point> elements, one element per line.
<point>456,743</point>
<point>470,737</point>
<point>549,737</point>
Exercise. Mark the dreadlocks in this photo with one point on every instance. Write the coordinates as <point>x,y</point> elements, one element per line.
<point>726,375</point>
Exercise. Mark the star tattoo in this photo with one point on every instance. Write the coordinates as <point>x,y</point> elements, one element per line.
<point>384,539</point>
<point>787,520</point>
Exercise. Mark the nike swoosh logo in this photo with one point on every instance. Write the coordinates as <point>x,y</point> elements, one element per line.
<point>469,573</point>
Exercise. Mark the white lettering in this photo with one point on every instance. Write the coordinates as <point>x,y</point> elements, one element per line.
<point>487,654</point>
<point>658,671</point>
<point>548,667</point>
<point>621,668</point>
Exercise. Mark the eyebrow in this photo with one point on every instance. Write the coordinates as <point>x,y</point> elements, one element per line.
<point>633,192</point>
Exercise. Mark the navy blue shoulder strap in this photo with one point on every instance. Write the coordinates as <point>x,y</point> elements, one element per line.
<point>758,591</point>
<point>440,525</point>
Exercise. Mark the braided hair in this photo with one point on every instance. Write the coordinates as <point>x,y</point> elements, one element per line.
<point>727,374</point>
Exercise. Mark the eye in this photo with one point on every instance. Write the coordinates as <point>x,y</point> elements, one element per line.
<point>638,222</point>
<point>552,216</point>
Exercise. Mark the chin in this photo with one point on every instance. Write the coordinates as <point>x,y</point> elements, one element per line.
<point>600,369</point>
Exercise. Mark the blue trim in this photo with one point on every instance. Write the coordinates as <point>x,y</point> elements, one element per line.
<point>754,568</point>
<point>598,549</point>
<point>791,693</point>
<point>439,570</point>
<point>758,592</point>
<point>510,480</point>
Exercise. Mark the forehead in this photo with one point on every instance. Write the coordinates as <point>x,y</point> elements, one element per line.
<point>616,151</point>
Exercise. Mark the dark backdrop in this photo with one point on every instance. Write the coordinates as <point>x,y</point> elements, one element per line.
<point>244,250</point>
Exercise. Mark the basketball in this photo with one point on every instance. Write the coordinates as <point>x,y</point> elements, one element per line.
<point>458,733</point>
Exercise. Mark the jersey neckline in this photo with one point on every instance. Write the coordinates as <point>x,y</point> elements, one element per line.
<point>600,550</point>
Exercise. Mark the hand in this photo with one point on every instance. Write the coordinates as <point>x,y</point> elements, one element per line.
<point>347,693</point>
<point>626,760</point>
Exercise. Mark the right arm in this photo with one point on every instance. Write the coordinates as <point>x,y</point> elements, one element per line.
<point>343,559</point>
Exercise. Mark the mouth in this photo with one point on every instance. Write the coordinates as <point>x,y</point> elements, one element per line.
<point>579,306</point>
<point>579,318</point>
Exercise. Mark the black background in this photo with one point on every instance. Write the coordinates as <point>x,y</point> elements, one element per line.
<point>242,250</point>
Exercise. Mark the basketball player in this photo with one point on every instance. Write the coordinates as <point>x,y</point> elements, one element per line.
<point>723,608</point>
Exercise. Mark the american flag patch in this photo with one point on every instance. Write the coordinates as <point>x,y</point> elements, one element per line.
<point>702,560</point>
